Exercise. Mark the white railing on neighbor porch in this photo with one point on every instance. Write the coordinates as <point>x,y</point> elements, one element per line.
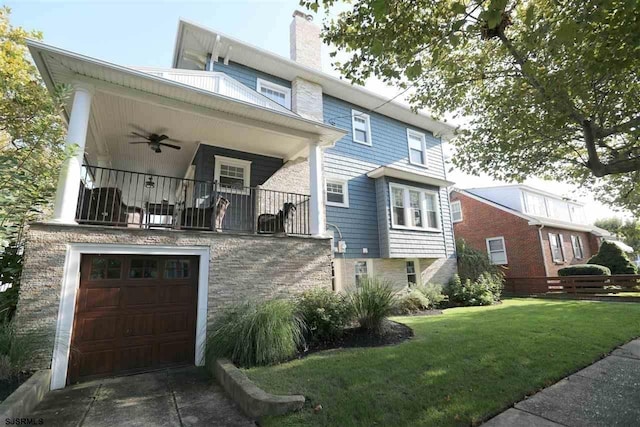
<point>215,82</point>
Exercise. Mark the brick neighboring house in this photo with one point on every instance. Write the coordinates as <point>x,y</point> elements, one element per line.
<point>527,231</point>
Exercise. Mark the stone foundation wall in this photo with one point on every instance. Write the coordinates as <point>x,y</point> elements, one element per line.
<point>240,267</point>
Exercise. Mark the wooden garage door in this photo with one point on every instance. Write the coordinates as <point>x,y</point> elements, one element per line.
<point>133,313</point>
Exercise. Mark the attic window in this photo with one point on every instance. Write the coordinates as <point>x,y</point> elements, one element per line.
<point>275,92</point>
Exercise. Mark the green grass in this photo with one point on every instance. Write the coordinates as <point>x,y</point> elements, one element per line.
<point>459,369</point>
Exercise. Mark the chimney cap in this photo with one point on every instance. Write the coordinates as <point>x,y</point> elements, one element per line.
<point>301,14</point>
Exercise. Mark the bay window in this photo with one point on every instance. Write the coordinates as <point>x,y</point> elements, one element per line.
<point>414,208</point>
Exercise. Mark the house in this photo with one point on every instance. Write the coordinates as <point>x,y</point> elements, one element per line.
<point>234,174</point>
<point>530,232</point>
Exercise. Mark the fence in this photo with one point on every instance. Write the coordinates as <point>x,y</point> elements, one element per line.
<point>573,285</point>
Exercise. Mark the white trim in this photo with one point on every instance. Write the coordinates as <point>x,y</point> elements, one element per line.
<point>423,141</point>
<point>367,119</point>
<point>423,207</point>
<point>244,164</point>
<point>412,176</point>
<point>345,191</point>
<point>71,283</point>
<point>458,203</point>
<point>418,272</point>
<point>504,249</point>
<point>260,83</point>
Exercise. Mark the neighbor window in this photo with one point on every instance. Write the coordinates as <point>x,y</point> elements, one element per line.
<point>232,174</point>
<point>555,242</point>
<point>361,271</point>
<point>361,125</point>
<point>275,92</point>
<point>412,273</point>
<point>414,208</point>
<point>456,211</point>
<point>578,249</point>
<point>337,193</point>
<point>417,147</point>
<point>497,250</point>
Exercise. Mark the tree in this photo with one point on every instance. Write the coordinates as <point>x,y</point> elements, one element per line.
<point>611,256</point>
<point>549,88</point>
<point>31,135</point>
<point>628,231</point>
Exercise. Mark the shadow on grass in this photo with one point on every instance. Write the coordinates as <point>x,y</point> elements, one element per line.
<point>459,369</point>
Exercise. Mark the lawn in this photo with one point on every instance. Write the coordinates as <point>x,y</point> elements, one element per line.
<point>460,368</point>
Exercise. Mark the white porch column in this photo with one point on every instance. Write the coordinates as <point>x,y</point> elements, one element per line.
<point>69,180</point>
<point>316,187</point>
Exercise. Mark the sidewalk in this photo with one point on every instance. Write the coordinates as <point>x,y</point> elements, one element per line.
<point>606,393</point>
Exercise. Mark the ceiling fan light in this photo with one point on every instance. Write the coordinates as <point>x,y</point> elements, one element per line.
<point>149,183</point>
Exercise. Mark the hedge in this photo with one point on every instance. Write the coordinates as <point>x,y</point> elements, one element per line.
<point>585,270</point>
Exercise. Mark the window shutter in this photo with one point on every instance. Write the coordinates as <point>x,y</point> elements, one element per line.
<point>562,247</point>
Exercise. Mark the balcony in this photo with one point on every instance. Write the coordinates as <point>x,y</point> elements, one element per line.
<point>120,198</point>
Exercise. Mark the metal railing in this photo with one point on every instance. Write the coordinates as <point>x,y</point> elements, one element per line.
<point>122,198</point>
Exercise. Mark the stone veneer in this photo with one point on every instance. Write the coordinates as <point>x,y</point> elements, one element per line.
<point>241,267</point>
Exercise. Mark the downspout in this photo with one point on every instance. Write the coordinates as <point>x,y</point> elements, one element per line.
<point>544,258</point>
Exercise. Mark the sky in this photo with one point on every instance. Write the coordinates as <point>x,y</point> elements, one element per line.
<point>143,33</point>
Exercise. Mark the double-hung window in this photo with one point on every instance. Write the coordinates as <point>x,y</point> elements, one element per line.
<point>414,208</point>
<point>578,249</point>
<point>555,242</point>
<point>275,92</point>
<point>456,211</point>
<point>417,147</point>
<point>232,175</point>
<point>362,271</point>
<point>412,272</point>
<point>337,192</point>
<point>361,127</point>
<point>497,250</point>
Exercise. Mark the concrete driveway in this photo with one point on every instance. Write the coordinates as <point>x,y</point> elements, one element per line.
<point>172,397</point>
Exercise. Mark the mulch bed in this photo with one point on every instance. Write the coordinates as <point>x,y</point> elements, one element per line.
<point>392,333</point>
<point>9,385</point>
<point>423,313</point>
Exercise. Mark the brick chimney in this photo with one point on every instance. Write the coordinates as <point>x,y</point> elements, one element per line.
<point>304,41</point>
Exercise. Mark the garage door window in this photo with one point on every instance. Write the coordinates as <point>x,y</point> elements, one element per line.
<point>105,268</point>
<point>143,269</point>
<point>176,269</point>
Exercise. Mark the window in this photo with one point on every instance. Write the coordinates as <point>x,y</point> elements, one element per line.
<point>534,204</point>
<point>143,269</point>
<point>176,269</point>
<point>232,174</point>
<point>456,211</point>
<point>417,148</point>
<point>275,92</point>
<point>337,193</point>
<point>414,208</point>
<point>412,273</point>
<point>555,242</point>
<point>361,125</point>
<point>362,271</point>
<point>497,250</point>
<point>105,268</point>
<point>578,249</point>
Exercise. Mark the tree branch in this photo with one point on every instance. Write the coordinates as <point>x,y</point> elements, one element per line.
<point>622,127</point>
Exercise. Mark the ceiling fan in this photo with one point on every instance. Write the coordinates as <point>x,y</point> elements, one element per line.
<point>155,141</point>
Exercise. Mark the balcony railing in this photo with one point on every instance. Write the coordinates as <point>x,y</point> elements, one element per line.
<point>140,200</point>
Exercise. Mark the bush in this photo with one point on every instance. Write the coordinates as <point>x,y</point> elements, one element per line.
<point>10,271</point>
<point>585,270</point>
<point>412,301</point>
<point>472,263</point>
<point>15,351</point>
<point>433,292</point>
<point>372,302</point>
<point>325,314</point>
<point>253,334</point>
<point>610,255</point>
<point>484,291</point>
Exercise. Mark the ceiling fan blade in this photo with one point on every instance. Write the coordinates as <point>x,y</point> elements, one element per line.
<point>138,135</point>
<point>138,142</point>
<point>139,129</point>
<point>162,138</point>
<point>175,147</point>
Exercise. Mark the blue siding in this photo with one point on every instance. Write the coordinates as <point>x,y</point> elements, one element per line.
<point>365,223</point>
<point>248,76</point>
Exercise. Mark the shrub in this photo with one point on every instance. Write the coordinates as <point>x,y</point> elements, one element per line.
<point>325,314</point>
<point>15,351</point>
<point>472,263</point>
<point>433,292</point>
<point>253,334</point>
<point>412,301</point>
<point>10,271</point>
<point>610,255</point>
<point>372,302</point>
<point>484,291</point>
<point>585,270</point>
